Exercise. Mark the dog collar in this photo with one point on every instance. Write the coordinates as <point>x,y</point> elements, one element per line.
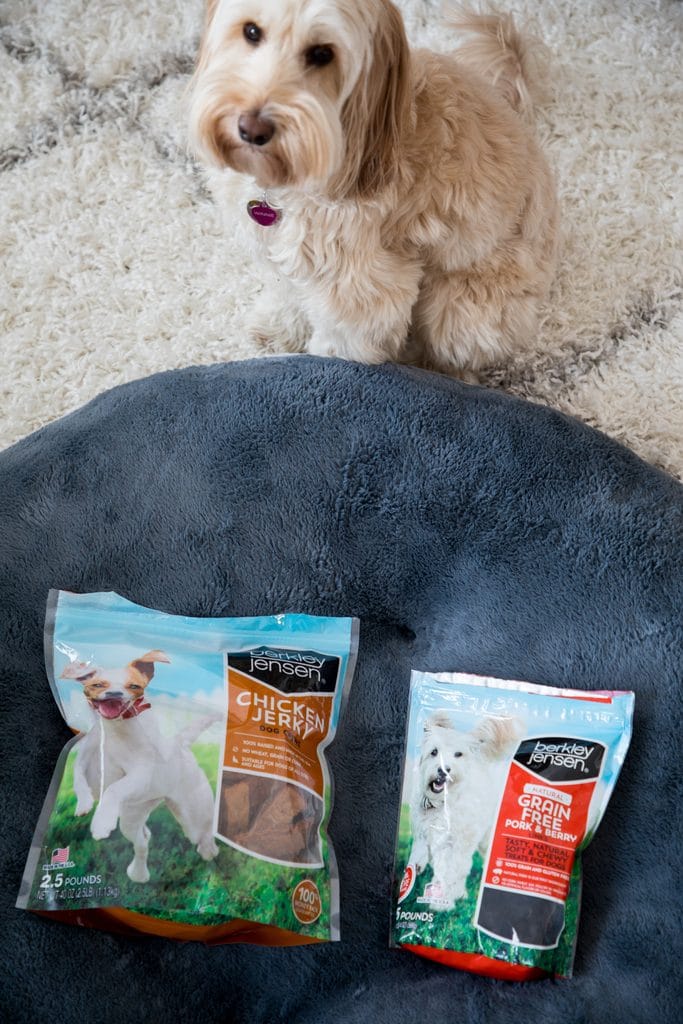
<point>261,211</point>
<point>132,711</point>
<point>136,708</point>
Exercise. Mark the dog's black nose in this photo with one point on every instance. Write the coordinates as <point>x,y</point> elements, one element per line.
<point>255,129</point>
<point>113,695</point>
<point>441,774</point>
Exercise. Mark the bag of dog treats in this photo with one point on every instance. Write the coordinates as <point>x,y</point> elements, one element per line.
<point>505,784</point>
<point>194,801</point>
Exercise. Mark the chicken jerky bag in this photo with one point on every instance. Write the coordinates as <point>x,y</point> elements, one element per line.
<point>505,784</point>
<point>194,801</point>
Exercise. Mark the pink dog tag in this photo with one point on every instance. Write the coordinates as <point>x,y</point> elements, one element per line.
<point>262,213</point>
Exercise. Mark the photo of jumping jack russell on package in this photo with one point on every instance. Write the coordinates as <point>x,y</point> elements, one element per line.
<point>129,767</point>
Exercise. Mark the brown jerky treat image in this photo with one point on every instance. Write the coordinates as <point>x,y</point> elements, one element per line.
<point>271,818</point>
<point>309,817</point>
<point>242,797</point>
<point>235,807</point>
<point>274,833</point>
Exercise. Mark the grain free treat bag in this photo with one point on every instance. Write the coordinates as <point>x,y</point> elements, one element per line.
<point>505,784</point>
<point>194,800</point>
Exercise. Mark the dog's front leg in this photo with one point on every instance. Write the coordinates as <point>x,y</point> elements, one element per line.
<point>84,797</point>
<point>134,828</point>
<point>277,322</point>
<point>419,854</point>
<point>452,865</point>
<point>363,313</point>
<point>108,810</point>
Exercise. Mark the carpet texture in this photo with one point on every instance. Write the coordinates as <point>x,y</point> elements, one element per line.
<point>116,263</point>
<point>468,530</point>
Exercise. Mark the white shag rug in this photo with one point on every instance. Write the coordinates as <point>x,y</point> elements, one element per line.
<point>114,263</point>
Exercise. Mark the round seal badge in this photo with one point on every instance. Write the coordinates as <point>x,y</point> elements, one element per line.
<point>306,903</point>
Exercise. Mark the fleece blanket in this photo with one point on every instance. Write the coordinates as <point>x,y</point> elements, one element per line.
<point>468,530</point>
<point>117,263</point>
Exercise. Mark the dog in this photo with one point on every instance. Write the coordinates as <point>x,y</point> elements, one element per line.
<point>461,776</point>
<point>133,768</point>
<point>407,211</point>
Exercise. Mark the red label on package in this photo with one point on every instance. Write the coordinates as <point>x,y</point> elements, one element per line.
<point>542,820</point>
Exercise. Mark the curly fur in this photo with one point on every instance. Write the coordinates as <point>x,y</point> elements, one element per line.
<point>419,216</point>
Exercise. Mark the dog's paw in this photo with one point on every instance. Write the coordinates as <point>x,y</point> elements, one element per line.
<point>206,848</point>
<point>328,343</point>
<point>328,349</point>
<point>337,343</point>
<point>103,824</point>
<point>467,376</point>
<point>83,806</point>
<point>100,831</point>
<point>275,331</point>
<point>137,871</point>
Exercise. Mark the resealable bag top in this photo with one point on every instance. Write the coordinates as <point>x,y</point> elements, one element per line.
<point>194,801</point>
<point>504,786</point>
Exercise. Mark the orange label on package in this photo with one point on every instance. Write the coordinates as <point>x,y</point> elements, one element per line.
<point>274,733</point>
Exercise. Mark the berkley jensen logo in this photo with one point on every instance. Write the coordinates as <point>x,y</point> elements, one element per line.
<point>561,759</point>
<point>570,755</point>
<point>287,670</point>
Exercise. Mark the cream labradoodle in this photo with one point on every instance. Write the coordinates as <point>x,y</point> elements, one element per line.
<point>399,195</point>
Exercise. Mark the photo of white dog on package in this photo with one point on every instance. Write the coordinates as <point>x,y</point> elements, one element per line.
<point>129,767</point>
<point>458,783</point>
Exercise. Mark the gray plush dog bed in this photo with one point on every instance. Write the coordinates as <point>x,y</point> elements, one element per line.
<point>468,531</point>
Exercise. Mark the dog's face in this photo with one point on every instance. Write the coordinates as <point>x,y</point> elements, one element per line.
<point>111,692</point>
<point>300,92</point>
<point>448,757</point>
<point>443,760</point>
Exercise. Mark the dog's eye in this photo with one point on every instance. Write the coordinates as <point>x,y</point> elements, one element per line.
<point>319,56</point>
<point>458,753</point>
<point>252,33</point>
<point>434,752</point>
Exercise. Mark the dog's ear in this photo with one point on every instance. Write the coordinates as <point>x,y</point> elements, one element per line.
<point>145,664</point>
<point>209,135</point>
<point>494,738</point>
<point>377,112</point>
<point>81,671</point>
<point>439,720</point>
<point>202,54</point>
